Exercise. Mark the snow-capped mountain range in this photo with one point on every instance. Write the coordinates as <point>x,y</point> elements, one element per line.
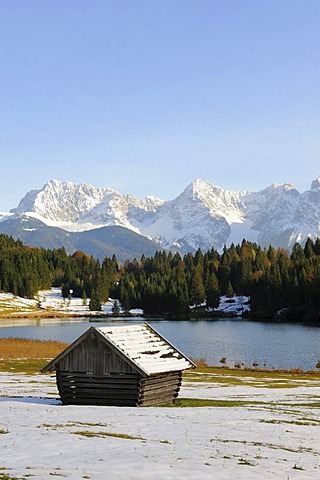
<point>202,216</point>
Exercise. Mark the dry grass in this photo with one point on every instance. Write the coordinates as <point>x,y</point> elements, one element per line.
<point>262,378</point>
<point>106,434</point>
<point>199,362</point>
<point>259,373</point>
<point>21,348</point>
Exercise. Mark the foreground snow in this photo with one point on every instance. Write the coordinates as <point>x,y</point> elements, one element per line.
<point>276,438</point>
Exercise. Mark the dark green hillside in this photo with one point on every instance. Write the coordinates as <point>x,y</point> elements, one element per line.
<point>119,241</point>
<point>100,243</point>
<point>35,233</point>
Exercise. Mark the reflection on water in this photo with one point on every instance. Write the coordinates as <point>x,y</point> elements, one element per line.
<point>36,322</point>
<point>276,345</point>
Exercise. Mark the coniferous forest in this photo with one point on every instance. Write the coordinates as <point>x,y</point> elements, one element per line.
<point>168,283</point>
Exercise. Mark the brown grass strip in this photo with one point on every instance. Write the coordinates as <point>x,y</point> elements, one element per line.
<point>21,348</point>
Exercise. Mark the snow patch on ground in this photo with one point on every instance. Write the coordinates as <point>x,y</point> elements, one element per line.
<point>10,301</point>
<point>52,300</point>
<point>275,438</point>
<point>235,305</point>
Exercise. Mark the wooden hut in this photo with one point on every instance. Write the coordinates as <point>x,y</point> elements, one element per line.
<point>131,365</point>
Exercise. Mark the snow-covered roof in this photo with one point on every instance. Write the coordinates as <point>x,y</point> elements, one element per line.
<point>140,345</point>
<point>146,348</point>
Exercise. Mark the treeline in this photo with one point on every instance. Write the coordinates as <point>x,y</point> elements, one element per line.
<point>274,279</point>
<point>25,270</point>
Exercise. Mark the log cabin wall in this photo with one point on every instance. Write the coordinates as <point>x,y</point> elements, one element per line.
<point>94,357</point>
<point>94,374</point>
<point>121,390</point>
<point>76,388</point>
<point>159,388</point>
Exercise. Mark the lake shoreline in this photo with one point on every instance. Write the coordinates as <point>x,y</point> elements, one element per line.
<point>192,316</point>
<point>240,341</point>
<point>54,314</point>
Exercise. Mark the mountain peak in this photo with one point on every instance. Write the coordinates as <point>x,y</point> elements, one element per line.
<point>198,183</point>
<point>203,215</point>
<point>316,183</point>
<point>200,189</point>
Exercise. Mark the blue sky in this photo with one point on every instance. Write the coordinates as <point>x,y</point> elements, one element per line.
<point>145,96</point>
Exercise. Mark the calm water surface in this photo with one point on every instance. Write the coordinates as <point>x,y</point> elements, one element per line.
<point>276,345</point>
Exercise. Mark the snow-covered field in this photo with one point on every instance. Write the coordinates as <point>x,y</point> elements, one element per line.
<point>52,300</point>
<point>277,436</point>
<point>10,301</point>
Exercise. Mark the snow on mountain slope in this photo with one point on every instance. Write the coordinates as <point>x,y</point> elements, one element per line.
<point>4,216</point>
<point>199,217</point>
<point>62,201</point>
<point>202,216</point>
<point>283,216</point>
<point>83,207</point>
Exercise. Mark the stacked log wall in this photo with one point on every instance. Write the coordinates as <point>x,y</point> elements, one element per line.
<point>78,388</point>
<point>129,390</point>
<point>159,388</point>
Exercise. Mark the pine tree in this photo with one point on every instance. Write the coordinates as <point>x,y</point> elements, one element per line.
<point>84,298</point>
<point>94,304</point>
<point>230,290</point>
<point>213,292</point>
<point>115,308</point>
<point>309,248</point>
<point>125,301</point>
<point>197,291</point>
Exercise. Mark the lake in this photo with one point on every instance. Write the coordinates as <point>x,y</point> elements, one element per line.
<point>276,345</point>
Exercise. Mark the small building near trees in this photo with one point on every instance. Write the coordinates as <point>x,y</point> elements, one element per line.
<point>127,365</point>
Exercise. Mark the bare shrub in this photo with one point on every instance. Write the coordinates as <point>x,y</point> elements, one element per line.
<point>200,362</point>
<point>295,370</point>
<point>238,365</point>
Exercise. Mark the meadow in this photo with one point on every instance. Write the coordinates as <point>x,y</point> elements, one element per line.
<point>251,425</point>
